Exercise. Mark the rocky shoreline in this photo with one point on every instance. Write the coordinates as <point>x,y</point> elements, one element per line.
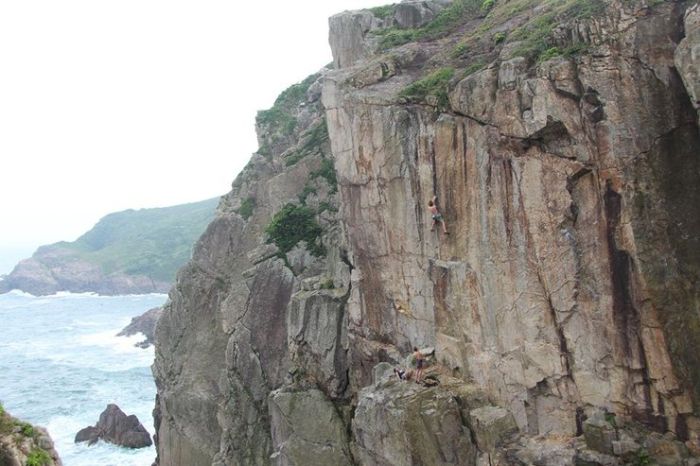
<point>51,271</point>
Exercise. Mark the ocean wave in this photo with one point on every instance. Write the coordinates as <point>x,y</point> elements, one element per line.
<point>23,294</point>
<point>70,294</point>
<point>109,339</point>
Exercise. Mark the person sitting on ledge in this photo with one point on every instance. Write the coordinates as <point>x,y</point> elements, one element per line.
<point>400,372</point>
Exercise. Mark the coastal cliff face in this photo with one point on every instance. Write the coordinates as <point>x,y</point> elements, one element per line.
<point>567,166</point>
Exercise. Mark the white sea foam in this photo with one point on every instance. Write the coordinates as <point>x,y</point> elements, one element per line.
<point>86,294</point>
<point>62,363</point>
<point>70,294</point>
<point>109,339</point>
<point>16,292</point>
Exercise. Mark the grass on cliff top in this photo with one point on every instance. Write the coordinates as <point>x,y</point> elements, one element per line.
<point>535,34</point>
<point>281,116</point>
<point>435,84</point>
<point>8,424</point>
<point>446,21</point>
<point>384,11</point>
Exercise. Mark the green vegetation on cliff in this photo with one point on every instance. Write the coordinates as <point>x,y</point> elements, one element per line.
<point>383,11</point>
<point>533,36</point>
<point>38,457</point>
<point>18,432</point>
<point>293,224</point>
<point>151,242</point>
<point>246,208</point>
<point>444,22</point>
<point>434,84</point>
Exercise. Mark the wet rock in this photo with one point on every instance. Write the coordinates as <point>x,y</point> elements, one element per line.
<point>114,426</point>
<point>144,324</point>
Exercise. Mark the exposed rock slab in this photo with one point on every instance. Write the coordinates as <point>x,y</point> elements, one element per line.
<point>114,426</point>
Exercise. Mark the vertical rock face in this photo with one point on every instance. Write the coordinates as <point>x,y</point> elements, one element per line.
<point>569,279</point>
<point>568,285</point>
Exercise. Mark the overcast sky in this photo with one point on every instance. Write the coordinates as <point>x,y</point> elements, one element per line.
<point>110,105</point>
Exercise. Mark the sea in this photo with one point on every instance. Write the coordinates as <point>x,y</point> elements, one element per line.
<point>61,364</point>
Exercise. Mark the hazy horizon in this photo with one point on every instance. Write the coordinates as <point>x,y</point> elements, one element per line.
<point>107,107</point>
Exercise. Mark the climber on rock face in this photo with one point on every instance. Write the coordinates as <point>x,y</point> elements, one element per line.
<point>437,216</point>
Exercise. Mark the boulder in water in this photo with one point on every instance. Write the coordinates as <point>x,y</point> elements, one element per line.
<point>144,324</point>
<point>114,426</point>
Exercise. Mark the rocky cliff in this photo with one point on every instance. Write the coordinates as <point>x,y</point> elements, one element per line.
<point>562,142</point>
